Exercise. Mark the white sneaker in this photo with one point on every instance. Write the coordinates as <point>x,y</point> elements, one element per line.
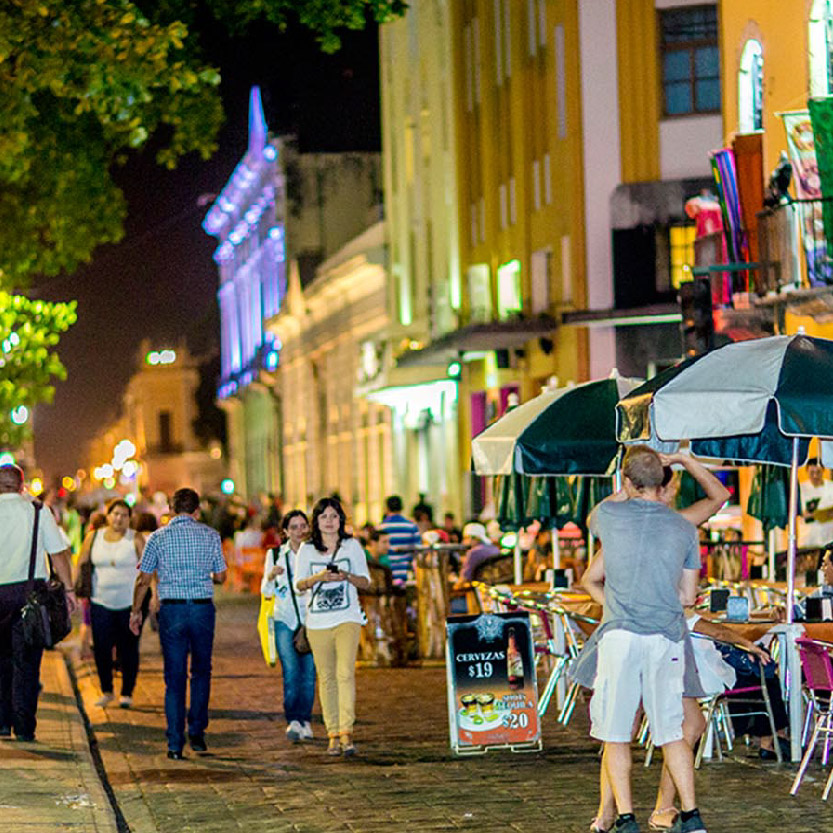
<point>125,701</point>
<point>105,699</point>
<point>293,731</point>
<point>306,731</point>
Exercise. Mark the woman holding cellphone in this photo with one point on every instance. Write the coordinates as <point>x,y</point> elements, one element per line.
<point>334,567</point>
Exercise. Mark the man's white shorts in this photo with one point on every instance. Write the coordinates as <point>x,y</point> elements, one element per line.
<point>634,667</point>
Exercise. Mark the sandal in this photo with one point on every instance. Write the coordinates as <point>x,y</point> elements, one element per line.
<point>596,826</point>
<point>347,747</point>
<point>334,748</point>
<point>658,819</point>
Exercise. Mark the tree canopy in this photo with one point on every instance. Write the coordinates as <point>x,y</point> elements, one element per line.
<point>80,83</point>
<point>28,361</point>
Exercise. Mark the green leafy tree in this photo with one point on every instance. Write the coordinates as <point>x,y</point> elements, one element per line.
<point>29,332</point>
<point>81,83</point>
<point>323,17</point>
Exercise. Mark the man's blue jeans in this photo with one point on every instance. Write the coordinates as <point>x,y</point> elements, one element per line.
<point>298,676</point>
<point>183,629</point>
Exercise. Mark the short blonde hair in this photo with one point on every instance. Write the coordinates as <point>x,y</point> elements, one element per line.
<point>643,467</point>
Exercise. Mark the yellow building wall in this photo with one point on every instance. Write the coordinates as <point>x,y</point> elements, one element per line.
<point>639,94</point>
<point>509,134</point>
<point>522,129</point>
<point>782,28</point>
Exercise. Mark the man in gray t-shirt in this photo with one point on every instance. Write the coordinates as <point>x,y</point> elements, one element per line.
<point>649,567</point>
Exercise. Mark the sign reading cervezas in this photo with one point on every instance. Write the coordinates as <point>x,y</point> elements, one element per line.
<point>492,692</point>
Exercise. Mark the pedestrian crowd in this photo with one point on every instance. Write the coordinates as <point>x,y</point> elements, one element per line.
<point>651,654</point>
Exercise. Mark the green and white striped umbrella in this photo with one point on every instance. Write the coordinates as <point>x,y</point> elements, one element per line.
<point>755,401</point>
<point>568,430</point>
<point>745,401</point>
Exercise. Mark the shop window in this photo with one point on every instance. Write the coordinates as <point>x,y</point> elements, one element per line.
<point>480,294</point>
<point>681,253</point>
<point>820,43</point>
<point>509,296</point>
<point>165,432</point>
<point>539,276</point>
<point>750,87</point>
<point>690,67</point>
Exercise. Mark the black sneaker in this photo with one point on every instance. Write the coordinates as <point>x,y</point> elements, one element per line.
<point>626,826</point>
<point>692,825</point>
<point>174,755</point>
<point>198,743</point>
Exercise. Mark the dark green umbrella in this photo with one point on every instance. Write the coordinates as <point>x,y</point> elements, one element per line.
<point>561,431</point>
<point>511,491</point>
<point>588,492</point>
<point>769,497</point>
<point>551,501</point>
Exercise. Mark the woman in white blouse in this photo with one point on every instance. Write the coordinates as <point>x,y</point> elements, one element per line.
<point>115,551</point>
<point>279,572</point>
<point>333,565</point>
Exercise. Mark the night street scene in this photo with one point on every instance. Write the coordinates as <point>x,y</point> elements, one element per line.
<point>416,416</point>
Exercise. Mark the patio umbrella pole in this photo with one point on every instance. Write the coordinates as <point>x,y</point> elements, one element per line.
<point>791,544</point>
<point>518,560</point>
<point>792,631</point>
<point>771,556</point>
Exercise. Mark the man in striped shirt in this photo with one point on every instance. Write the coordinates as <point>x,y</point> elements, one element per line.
<point>404,538</point>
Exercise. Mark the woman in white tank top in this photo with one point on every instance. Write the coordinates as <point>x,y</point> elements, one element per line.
<point>115,551</point>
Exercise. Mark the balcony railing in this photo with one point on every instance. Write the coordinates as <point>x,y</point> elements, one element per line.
<point>792,256</point>
<point>793,247</point>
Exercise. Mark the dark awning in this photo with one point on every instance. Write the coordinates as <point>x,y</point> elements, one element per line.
<point>489,335</point>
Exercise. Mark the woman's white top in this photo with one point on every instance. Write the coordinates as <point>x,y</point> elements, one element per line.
<point>279,588</point>
<point>115,566</point>
<point>715,673</point>
<point>333,602</point>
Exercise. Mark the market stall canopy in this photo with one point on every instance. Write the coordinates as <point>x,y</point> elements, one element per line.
<point>560,432</point>
<point>744,401</point>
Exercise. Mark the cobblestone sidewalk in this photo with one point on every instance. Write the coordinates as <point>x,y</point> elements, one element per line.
<point>52,784</point>
<point>404,778</point>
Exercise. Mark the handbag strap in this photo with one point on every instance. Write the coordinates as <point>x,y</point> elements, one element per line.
<point>292,588</point>
<point>33,552</point>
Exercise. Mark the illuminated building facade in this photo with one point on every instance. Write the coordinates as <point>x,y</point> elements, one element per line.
<point>280,210</point>
<point>564,142</point>
<point>156,423</point>
<point>426,299</point>
<point>248,220</point>
<point>332,439</point>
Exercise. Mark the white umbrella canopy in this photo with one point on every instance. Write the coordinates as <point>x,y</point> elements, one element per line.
<point>753,401</point>
<point>750,399</point>
<point>562,431</point>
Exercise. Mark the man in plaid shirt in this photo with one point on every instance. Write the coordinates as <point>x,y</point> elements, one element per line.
<point>188,559</point>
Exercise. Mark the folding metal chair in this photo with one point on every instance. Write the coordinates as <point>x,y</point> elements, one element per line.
<point>817,666</point>
<point>717,711</point>
<point>574,638</point>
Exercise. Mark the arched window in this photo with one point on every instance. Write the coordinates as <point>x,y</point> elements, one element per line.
<point>750,87</point>
<point>820,41</point>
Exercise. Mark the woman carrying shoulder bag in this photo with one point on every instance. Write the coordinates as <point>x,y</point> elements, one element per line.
<point>289,612</point>
<point>115,551</point>
<point>334,564</point>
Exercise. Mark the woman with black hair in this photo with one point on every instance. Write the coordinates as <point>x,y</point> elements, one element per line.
<point>334,566</point>
<point>115,551</point>
<point>289,611</point>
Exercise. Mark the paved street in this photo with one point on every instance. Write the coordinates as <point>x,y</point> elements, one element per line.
<point>405,777</point>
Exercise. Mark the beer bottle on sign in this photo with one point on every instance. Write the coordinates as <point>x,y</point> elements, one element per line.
<point>514,663</point>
